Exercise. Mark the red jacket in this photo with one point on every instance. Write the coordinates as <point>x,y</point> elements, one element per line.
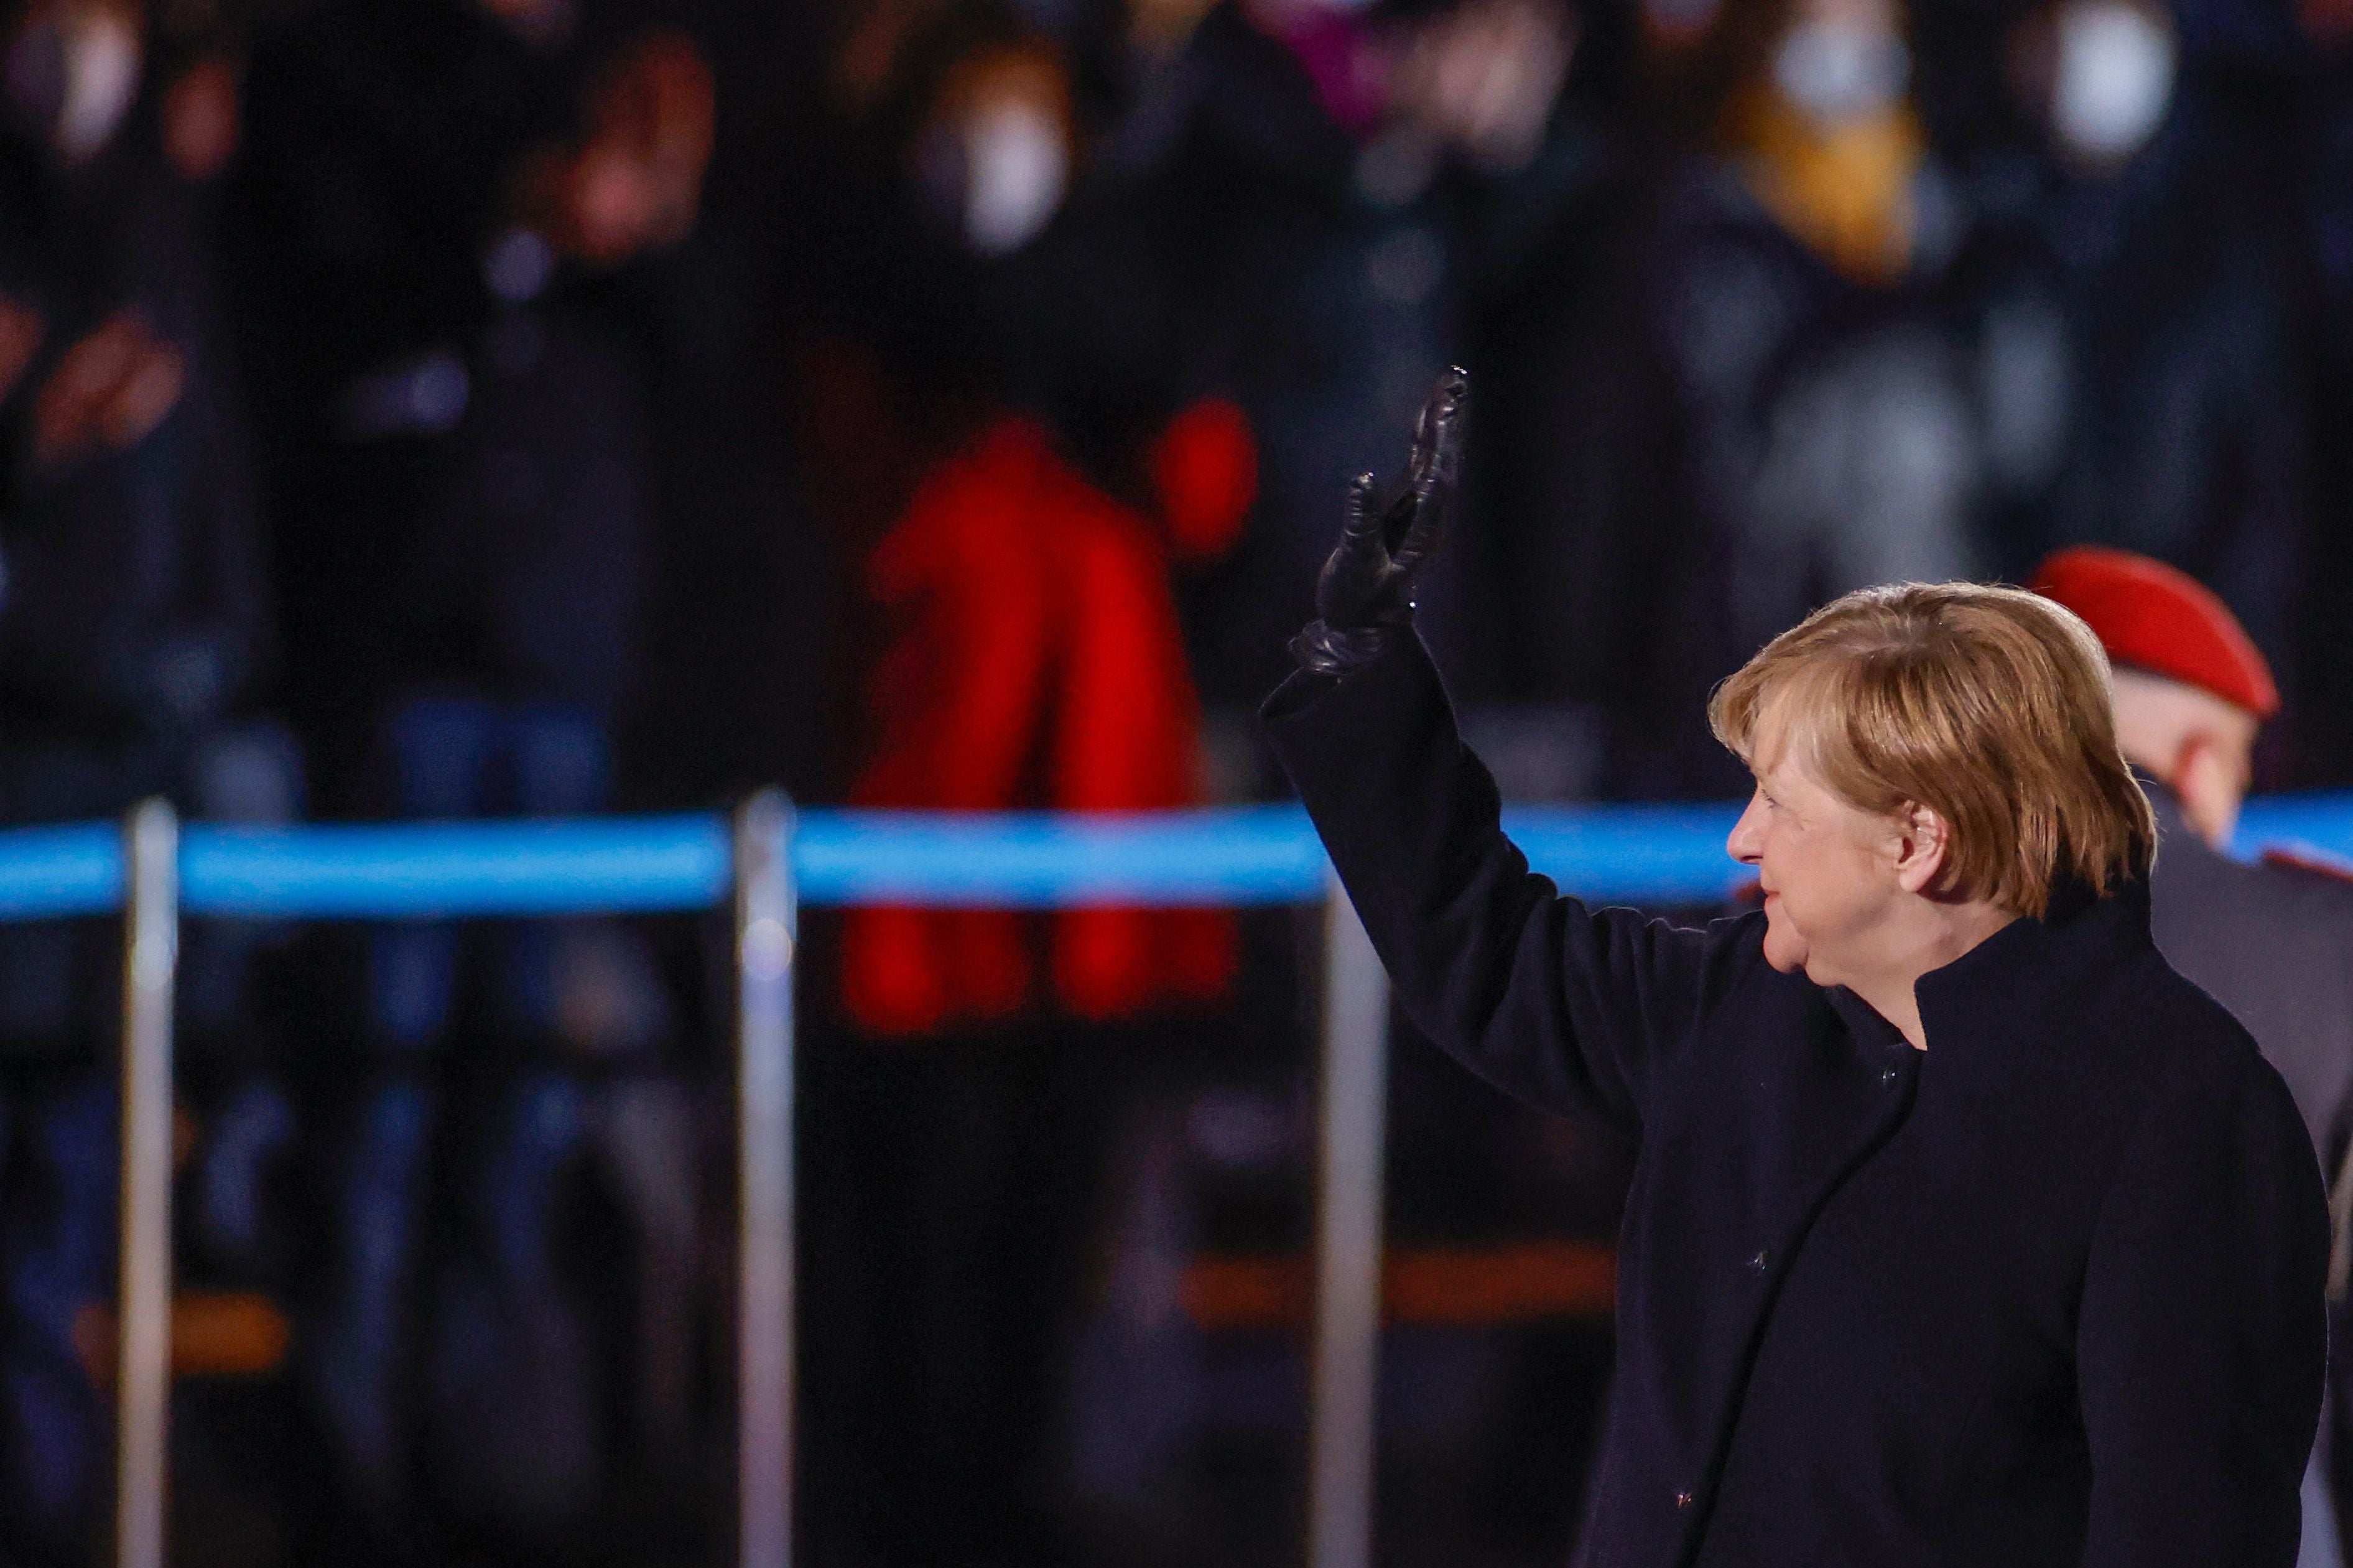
<point>1033,661</point>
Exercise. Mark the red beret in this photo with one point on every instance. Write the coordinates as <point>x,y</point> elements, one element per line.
<point>2153,617</point>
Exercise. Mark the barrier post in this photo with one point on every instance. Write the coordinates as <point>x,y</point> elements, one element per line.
<point>143,1370</point>
<point>765,1204</point>
<point>1345,1365</point>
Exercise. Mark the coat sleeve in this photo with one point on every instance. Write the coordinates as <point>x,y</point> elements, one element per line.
<point>1569,1008</point>
<point>2200,1346</point>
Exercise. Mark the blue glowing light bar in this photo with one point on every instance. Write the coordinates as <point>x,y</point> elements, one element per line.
<point>1657,854</point>
<point>1247,855</point>
<point>2315,826</point>
<point>414,870</point>
<point>75,869</point>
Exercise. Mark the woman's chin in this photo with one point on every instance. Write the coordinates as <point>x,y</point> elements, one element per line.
<point>1786,953</point>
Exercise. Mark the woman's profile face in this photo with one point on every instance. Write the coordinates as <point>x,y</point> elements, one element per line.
<point>1827,869</point>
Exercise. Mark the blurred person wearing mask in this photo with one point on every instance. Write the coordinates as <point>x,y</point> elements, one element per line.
<point>134,636</point>
<point>2271,941</point>
<point>1857,469</point>
<point>1017,646</point>
<point>455,217</point>
<point>1777,399</point>
<point>993,159</point>
<point>1026,653</point>
<point>2138,275</point>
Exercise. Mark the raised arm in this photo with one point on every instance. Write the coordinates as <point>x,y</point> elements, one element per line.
<point>1570,1008</point>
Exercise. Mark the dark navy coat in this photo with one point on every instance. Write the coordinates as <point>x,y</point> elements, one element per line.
<point>2047,1293</point>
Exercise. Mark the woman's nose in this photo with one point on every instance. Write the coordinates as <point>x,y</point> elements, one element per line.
<point>1744,843</point>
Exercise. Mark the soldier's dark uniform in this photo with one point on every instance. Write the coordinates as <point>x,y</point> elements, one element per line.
<point>2273,942</point>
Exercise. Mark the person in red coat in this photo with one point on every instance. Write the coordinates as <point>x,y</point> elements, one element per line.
<point>1963,1229</point>
<point>1035,660</point>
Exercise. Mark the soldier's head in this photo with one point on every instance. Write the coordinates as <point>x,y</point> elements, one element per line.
<point>1922,750</point>
<point>2191,688</point>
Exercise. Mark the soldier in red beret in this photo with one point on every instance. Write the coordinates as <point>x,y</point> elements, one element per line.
<point>2273,942</point>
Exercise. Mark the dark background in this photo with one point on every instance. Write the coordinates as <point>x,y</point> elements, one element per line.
<point>459,408</point>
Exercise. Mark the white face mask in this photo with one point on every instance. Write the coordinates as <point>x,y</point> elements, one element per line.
<point>2114,78</point>
<point>72,77</point>
<point>1017,168</point>
<point>1837,72</point>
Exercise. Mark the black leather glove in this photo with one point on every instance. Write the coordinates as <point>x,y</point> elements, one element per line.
<point>1366,592</point>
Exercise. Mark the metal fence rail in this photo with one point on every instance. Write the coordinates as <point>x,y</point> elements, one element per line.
<point>768,861</point>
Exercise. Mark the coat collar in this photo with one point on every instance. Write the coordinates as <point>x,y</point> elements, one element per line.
<point>2001,989</point>
<point>2014,976</point>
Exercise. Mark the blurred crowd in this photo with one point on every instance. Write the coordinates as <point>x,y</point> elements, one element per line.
<point>452,407</point>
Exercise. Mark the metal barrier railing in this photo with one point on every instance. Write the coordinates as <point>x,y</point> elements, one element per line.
<point>771,860</point>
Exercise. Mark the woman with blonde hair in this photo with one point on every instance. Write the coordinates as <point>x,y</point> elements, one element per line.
<point>1963,1230</point>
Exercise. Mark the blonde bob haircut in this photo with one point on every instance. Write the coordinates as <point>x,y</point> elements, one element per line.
<point>1988,706</point>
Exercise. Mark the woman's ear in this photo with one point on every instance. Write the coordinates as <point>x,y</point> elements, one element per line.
<point>1922,839</point>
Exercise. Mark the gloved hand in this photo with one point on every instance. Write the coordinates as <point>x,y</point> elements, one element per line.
<point>1366,591</point>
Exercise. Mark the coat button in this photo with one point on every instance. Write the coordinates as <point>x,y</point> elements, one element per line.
<point>1889,1077</point>
<point>1756,1265</point>
<point>1682,1500</point>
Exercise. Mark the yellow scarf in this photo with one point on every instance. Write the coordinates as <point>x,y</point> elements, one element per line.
<point>1843,191</point>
